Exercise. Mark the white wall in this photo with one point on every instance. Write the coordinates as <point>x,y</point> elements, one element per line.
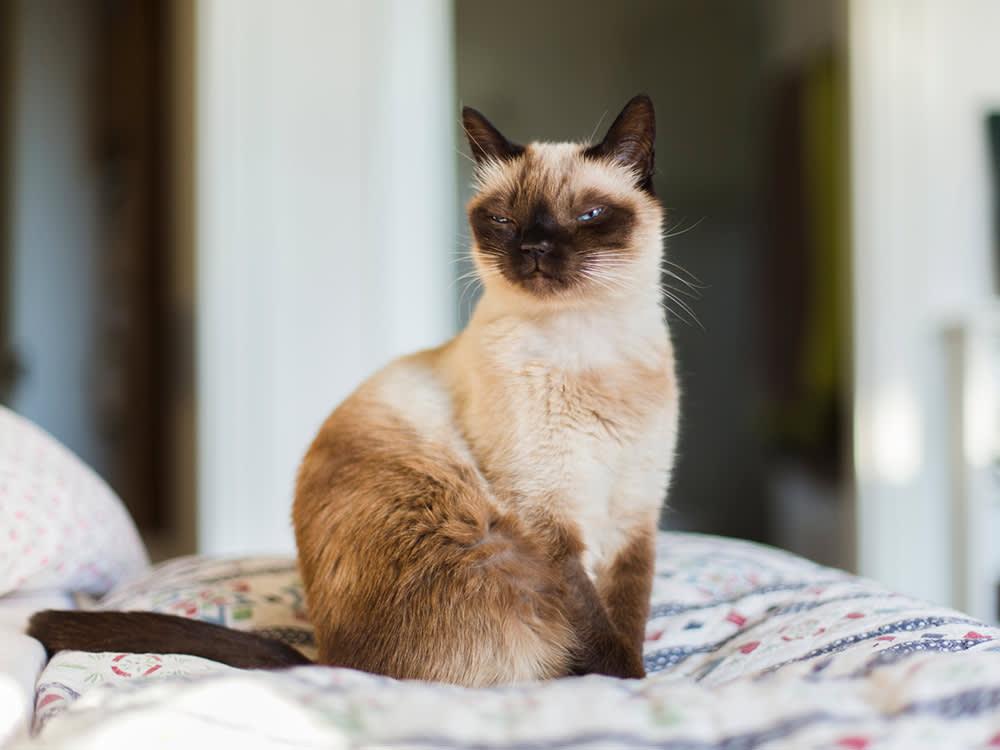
<point>324,186</point>
<point>923,74</point>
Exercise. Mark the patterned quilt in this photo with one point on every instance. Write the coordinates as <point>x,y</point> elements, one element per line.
<point>747,647</point>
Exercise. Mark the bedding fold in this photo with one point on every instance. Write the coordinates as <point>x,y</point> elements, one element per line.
<point>21,659</point>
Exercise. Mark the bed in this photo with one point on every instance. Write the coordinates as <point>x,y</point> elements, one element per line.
<point>746,647</point>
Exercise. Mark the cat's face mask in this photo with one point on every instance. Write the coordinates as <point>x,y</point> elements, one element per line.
<point>565,221</point>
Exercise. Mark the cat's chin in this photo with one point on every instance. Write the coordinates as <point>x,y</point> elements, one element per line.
<point>542,284</point>
<point>540,294</point>
<point>545,284</point>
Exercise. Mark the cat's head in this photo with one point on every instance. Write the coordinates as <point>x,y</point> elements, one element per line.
<point>564,223</point>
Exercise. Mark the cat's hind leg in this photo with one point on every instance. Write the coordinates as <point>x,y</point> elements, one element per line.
<point>411,571</point>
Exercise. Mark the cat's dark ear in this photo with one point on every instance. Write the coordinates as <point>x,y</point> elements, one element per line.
<point>487,143</point>
<point>631,140</point>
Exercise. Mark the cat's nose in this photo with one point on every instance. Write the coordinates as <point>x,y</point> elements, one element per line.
<point>536,249</point>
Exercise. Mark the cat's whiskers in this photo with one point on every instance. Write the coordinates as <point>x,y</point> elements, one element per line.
<point>605,275</point>
<point>472,274</point>
<point>459,259</point>
<point>683,230</point>
<point>470,285</point>
<point>597,279</point>
<point>692,291</point>
<point>693,283</point>
<point>479,275</point>
<point>668,266</point>
<point>603,268</point>
<point>597,126</point>
<point>465,156</point>
<point>692,317</point>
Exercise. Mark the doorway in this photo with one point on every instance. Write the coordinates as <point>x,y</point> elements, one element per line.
<point>86,331</point>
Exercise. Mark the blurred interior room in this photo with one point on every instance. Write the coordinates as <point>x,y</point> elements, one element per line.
<point>95,346</point>
<point>217,217</point>
<point>752,127</point>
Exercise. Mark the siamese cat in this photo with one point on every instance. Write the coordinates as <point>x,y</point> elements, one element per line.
<point>484,512</point>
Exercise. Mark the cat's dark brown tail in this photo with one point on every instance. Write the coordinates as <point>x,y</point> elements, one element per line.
<point>155,633</point>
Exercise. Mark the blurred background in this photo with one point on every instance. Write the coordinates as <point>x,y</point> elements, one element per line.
<point>218,216</point>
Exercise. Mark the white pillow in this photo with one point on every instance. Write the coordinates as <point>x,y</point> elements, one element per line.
<point>61,526</point>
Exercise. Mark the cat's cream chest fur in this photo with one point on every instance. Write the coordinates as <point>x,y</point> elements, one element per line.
<point>571,416</point>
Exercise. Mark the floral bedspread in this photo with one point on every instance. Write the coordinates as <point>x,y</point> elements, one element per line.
<point>747,647</point>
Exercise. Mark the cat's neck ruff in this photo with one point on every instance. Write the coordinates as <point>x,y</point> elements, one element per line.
<point>571,339</point>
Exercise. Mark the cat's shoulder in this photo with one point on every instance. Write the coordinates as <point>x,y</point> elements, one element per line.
<point>413,388</point>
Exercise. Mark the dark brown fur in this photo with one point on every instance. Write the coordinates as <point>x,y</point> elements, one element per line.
<point>631,140</point>
<point>154,633</point>
<point>485,141</point>
<point>535,222</point>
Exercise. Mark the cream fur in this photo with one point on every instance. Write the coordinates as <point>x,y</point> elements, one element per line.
<point>568,407</point>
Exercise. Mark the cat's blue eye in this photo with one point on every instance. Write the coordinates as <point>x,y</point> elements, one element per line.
<point>591,214</point>
<point>500,219</point>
